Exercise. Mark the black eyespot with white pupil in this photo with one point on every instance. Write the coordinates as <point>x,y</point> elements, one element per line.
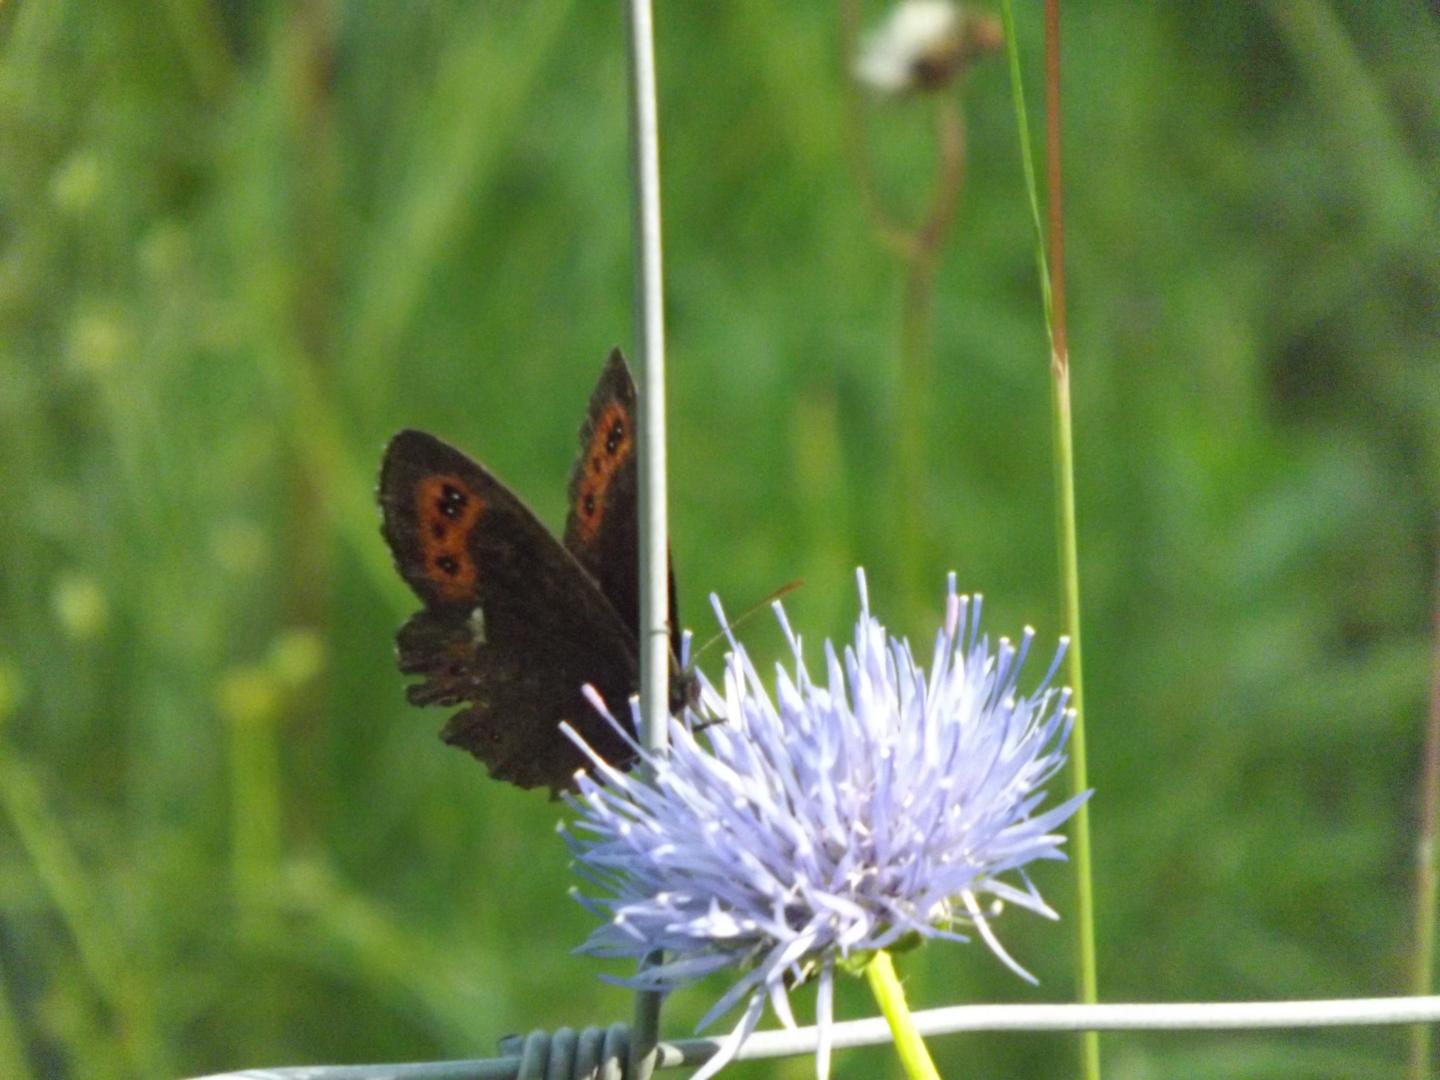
<point>452,501</point>
<point>448,564</point>
<point>615,436</point>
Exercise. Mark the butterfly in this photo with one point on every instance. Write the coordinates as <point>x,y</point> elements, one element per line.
<point>516,622</point>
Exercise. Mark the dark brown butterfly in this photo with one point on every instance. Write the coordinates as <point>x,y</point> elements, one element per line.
<point>515,623</point>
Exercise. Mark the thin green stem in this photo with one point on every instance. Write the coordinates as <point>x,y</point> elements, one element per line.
<point>1027,158</point>
<point>890,995</point>
<point>1050,262</point>
<point>1422,971</point>
<point>1087,978</point>
<point>1087,966</point>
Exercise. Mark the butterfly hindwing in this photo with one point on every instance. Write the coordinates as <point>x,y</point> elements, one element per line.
<point>512,626</point>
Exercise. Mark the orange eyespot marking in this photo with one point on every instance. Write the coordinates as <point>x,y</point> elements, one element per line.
<point>609,448</point>
<point>447,510</point>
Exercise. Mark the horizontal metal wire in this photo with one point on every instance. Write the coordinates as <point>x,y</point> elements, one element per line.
<point>1207,1016</point>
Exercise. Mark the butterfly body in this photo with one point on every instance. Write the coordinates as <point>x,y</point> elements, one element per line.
<point>515,622</point>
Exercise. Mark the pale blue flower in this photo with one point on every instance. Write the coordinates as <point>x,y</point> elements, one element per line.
<point>785,834</point>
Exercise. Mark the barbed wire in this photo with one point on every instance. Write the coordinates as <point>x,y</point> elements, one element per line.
<point>601,1053</point>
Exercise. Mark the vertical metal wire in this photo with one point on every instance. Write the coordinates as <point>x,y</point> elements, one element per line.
<point>650,339</point>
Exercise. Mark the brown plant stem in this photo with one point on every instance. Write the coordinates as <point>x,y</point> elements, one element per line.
<point>918,246</point>
<point>888,230</point>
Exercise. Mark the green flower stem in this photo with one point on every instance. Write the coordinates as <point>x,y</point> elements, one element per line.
<point>885,985</point>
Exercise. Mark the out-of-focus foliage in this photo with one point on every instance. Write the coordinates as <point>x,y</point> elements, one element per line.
<point>241,243</point>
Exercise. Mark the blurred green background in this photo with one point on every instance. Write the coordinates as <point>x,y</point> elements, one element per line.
<point>241,243</point>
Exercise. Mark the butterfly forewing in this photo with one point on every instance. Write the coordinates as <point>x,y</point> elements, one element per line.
<point>512,626</point>
<point>602,530</point>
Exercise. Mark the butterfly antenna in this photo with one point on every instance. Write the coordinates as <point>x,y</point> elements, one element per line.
<point>746,615</point>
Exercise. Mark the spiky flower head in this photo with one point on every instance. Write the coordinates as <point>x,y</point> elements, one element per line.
<point>792,833</point>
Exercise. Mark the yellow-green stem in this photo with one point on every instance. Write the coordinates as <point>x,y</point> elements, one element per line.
<point>890,995</point>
